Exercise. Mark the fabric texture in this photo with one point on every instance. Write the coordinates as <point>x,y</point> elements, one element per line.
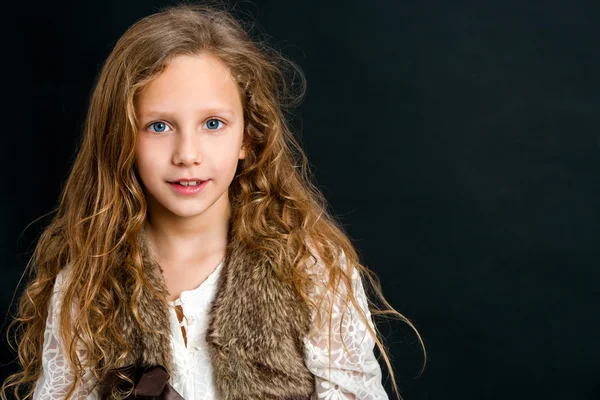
<point>208,364</point>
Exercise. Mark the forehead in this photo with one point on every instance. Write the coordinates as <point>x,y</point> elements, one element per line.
<point>188,82</point>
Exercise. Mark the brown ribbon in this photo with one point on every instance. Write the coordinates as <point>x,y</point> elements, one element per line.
<point>152,381</point>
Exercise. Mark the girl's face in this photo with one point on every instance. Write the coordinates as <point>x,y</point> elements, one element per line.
<point>191,126</point>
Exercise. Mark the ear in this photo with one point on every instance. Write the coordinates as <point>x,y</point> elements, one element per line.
<point>242,153</point>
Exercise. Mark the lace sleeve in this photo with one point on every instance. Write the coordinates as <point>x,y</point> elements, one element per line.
<point>56,377</point>
<point>355,372</point>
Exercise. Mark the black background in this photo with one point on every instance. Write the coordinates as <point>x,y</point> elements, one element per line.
<point>457,142</point>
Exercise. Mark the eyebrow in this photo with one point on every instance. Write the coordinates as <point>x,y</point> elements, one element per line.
<point>208,110</point>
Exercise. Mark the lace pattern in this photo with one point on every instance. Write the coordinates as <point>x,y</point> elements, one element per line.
<point>57,377</point>
<point>355,373</point>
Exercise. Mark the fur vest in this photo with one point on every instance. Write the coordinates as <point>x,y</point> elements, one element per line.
<point>254,335</point>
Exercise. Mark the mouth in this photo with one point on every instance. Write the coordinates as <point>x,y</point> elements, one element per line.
<point>186,188</point>
<point>188,183</point>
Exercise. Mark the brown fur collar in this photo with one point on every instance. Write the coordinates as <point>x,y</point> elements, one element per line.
<point>254,335</point>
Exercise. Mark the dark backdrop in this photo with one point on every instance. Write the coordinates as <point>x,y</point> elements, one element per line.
<point>457,141</point>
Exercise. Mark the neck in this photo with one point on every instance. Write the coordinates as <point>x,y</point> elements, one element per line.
<point>190,239</point>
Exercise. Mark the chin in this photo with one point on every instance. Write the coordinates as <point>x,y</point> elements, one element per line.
<point>186,212</point>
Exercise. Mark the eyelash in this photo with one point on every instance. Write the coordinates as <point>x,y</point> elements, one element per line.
<point>163,122</point>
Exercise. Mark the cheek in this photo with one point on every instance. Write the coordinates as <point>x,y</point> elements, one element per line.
<point>143,159</point>
<point>230,157</point>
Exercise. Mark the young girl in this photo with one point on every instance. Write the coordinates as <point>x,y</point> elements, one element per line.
<point>191,256</point>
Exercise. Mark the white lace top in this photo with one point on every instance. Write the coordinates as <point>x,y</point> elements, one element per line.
<point>354,375</point>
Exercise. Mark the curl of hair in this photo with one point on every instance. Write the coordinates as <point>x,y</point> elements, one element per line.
<point>275,206</point>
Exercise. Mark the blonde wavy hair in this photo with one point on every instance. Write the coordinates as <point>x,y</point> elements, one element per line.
<point>275,206</point>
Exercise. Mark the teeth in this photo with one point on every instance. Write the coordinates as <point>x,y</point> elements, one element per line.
<point>190,183</point>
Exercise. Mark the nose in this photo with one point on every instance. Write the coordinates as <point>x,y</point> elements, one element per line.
<point>187,149</point>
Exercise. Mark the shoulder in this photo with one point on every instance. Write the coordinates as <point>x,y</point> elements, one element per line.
<point>60,283</point>
<point>338,292</point>
<point>327,278</point>
<point>56,299</point>
<point>317,265</point>
<point>62,276</point>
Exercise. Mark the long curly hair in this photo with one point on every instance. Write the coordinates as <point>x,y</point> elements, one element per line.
<point>276,207</point>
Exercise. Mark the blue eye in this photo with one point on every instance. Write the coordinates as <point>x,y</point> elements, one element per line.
<point>159,126</point>
<point>213,124</point>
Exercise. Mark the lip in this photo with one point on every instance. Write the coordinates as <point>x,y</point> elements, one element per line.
<point>188,190</point>
<point>187,180</point>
